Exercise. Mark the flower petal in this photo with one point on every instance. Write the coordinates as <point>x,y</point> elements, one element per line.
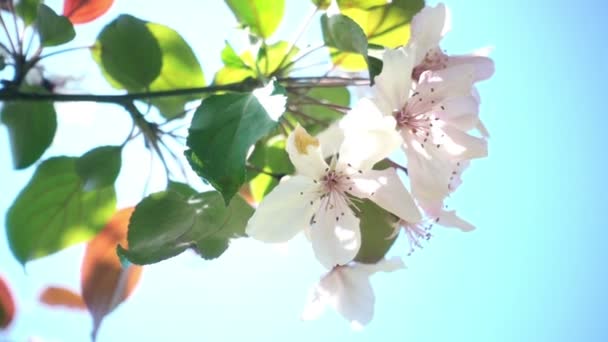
<point>369,136</point>
<point>386,189</point>
<point>331,139</point>
<point>428,27</point>
<point>462,145</point>
<point>460,112</point>
<point>335,234</point>
<point>483,66</point>
<point>449,219</point>
<point>305,153</point>
<point>285,211</point>
<point>393,84</point>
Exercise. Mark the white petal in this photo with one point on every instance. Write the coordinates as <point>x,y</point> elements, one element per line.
<point>285,211</point>
<point>449,82</point>
<point>393,84</point>
<point>356,300</point>
<point>331,139</point>
<point>335,234</point>
<point>386,189</point>
<point>460,112</point>
<point>429,171</point>
<point>384,265</point>
<point>369,136</point>
<point>449,219</point>
<point>483,66</point>
<point>428,27</point>
<point>305,153</point>
<point>462,145</point>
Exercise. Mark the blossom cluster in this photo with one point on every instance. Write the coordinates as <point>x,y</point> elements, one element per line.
<point>424,103</point>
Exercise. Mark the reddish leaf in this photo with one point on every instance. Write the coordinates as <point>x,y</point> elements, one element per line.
<point>62,297</point>
<point>7,305</point>
<point>84,11</point>
<point>105,284</point>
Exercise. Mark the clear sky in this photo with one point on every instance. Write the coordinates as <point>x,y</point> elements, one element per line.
<point>534,270</point>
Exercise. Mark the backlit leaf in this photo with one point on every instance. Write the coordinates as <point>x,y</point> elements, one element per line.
<point>261,16</point>
<point>31,127</point>
<point>104,282</point>
<point>61,297</point>
<point>7,305</point>
<point>167,223</point>
<point>84,11</point>
<point>53,29</point>
<point>54,211</point>
<point>223,129</point>
<point>99,167</point>
<point>377,225</point>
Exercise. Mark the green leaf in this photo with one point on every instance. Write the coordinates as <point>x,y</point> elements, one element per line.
<point>128,53</point>
<point>375,67</point>
<point>27,10</point>
<point>167,223</point>
<point>31,127</point>
<point>377,225</point>
<point>271,56</point>
<point>261,16</point>
<point>53,29</point>
<point>99,167</point>
<point>54,212</point>
<point>386,25</point>
<point>269,156</point>
<point>180,69</point>
<point>222,130</point>
<point>343,33</point>
<point>231,59</point>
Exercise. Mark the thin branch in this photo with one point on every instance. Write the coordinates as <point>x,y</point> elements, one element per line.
<point>54,53</point>
<point>268,173</point>
<point>8,35</point>
<point>397,165</point>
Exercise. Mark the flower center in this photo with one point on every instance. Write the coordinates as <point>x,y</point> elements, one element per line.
<point>435,59</point>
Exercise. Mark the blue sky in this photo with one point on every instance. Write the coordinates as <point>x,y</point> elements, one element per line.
<point>532,271</point>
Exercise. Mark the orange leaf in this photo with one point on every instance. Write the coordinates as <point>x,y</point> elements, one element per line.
<point>105,284</point>
<point>84,11</point>
<point>59,296</point>
<point>7,305</point>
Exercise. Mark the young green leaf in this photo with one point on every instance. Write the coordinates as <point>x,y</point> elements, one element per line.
<point>54,212</point>
<point>316,103</point>
<point>128,53</point>
<point>223,129</point>
<point>99,167</point>
<point>53,29</point>
<point>386,25</point>
<point>27,10</point>
<point>262,17</point>
<point>377,225</point>
<point>167,223</point>
<point>31,127</point>
<point>343,33</point>
<point>180,69</point>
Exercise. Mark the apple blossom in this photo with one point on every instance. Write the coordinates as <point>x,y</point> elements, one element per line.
<point>433,117</point>
<point>348,290</point>
<point>428,27</point>
<point>320,197</point>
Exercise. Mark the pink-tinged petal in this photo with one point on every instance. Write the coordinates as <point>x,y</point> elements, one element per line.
<point>348,290</point>
<point>285,211</point>
<point>428,27</point>
<point>369,136</point>
<point>430,171</point>
<point>393,84</point>
<point>335,234</point>
<point>460,112</point>
<point>481,128</point>
<point>386,189</point>
<point>445,83</point>
<point>462,146</point>
<point>449,219</point>
<point>305,153</point>
<point>483,67</point>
